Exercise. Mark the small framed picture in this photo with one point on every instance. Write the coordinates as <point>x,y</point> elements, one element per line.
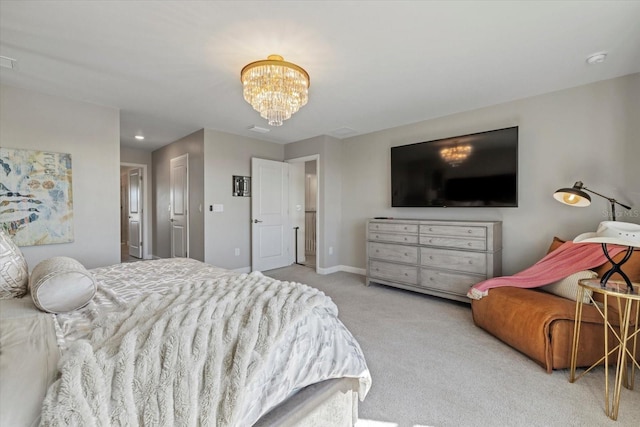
<point>241,186</point>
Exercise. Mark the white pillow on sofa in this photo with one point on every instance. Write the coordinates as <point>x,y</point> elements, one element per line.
<point>14,274</point>
<point>568,287</point>
<point>61,284</point>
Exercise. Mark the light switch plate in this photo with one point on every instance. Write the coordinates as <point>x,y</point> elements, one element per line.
<point>218,207</point>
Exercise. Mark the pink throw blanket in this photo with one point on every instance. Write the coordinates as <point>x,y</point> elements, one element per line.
<point>569,258</point>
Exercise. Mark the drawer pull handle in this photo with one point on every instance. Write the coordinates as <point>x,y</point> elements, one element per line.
<point>431,279</point>
<point>469,243</point>
<point>430,256</point>
<point>469,231</point>
<point>406,274</point>
<point>430,229</point>
<point>405,228</point>
<point>377,250</point>
<point>430,240</point>
<point>406,254</point>
<point>377,237</point>
<point>405,239</point>
<point>470,262</point>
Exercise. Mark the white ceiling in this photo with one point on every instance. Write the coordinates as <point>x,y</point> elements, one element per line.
<point>173,67</point>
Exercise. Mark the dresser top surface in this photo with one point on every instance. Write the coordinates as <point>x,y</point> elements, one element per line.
<point>431,221</point>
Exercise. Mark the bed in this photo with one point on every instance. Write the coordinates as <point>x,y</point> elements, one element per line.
<point>180,342</point>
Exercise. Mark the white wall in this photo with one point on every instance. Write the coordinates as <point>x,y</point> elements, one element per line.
<point>91,134</point>
<point>630,110</point>
<point>133,155</point>
<point>587,133</point>
<point>227,155</point>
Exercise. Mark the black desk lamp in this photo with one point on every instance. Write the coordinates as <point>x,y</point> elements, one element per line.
<point>575,196</point>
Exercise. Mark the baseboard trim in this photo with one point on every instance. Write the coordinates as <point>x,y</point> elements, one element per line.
<point>319,270</point>
<point>328,270</point>
<point>354,270</point>
<point>345,268</point>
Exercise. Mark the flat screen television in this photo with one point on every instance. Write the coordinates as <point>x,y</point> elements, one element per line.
<point>476,170</point>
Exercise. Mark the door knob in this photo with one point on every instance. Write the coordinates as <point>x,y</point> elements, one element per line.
<point>171,220</point>
<point>255,221</point>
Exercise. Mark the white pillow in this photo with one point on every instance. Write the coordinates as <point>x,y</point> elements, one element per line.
<point>61,284</point>
<point>14,273</point>
<point>568,287</point>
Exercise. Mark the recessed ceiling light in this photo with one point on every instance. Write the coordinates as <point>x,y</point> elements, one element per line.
<point>596,58</point>
<point>139,137</point>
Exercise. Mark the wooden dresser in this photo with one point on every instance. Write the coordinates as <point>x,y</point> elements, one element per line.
<point>442,258</point>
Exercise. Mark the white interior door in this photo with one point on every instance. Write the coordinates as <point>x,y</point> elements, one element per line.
<point>135,213</point>
<point>179,201</point>
<point>270,230</point>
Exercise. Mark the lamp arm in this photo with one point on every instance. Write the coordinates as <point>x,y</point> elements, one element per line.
<point>610,199</point>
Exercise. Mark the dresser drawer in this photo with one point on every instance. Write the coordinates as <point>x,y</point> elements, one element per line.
<point>393,272</point>
<point>469,262</point>
<point>395,238</point>
<point>408,254</point>
<point>447,282</point>
<point>453,242</point>
<point>393,228</point>
<point>453,230</point>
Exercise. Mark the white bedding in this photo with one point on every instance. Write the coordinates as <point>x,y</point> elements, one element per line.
<point>28,361</point>
<point>315,348</point>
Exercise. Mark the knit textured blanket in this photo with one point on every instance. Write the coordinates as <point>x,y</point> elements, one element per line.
<point>569,258</point>
<point>180,358</point>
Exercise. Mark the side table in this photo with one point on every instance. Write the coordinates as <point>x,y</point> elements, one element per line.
<point>626,335</point>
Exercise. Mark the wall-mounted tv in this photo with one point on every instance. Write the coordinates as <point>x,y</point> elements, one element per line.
<point>477,170</point>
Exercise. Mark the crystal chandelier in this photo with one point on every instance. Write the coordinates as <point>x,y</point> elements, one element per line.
<point>275,88</point>
<point>456,154</point>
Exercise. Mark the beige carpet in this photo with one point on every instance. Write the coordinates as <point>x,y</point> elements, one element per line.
<point>432,367</point>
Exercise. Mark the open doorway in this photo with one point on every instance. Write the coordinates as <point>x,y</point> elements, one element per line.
<point>133,223</point>
<point>310,213</point>
<point>304,207</point>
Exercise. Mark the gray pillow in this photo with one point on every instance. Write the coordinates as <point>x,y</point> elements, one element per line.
<point>61,284</point>
<point>14,273</point>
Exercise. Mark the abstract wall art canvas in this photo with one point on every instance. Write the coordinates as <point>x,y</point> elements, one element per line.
<point>36,198</point>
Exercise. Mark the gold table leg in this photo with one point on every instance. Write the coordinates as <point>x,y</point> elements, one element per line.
<point>576,334</point>
<point>626,335</point>
<point>606,355</point>
<point>622,357</point>
<point>622,371</point>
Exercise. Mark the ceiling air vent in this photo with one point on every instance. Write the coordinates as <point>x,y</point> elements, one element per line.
<point>258,129</point>
<point>6,62</point>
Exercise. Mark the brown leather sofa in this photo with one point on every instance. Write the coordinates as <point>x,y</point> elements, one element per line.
<point>540,324</point>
